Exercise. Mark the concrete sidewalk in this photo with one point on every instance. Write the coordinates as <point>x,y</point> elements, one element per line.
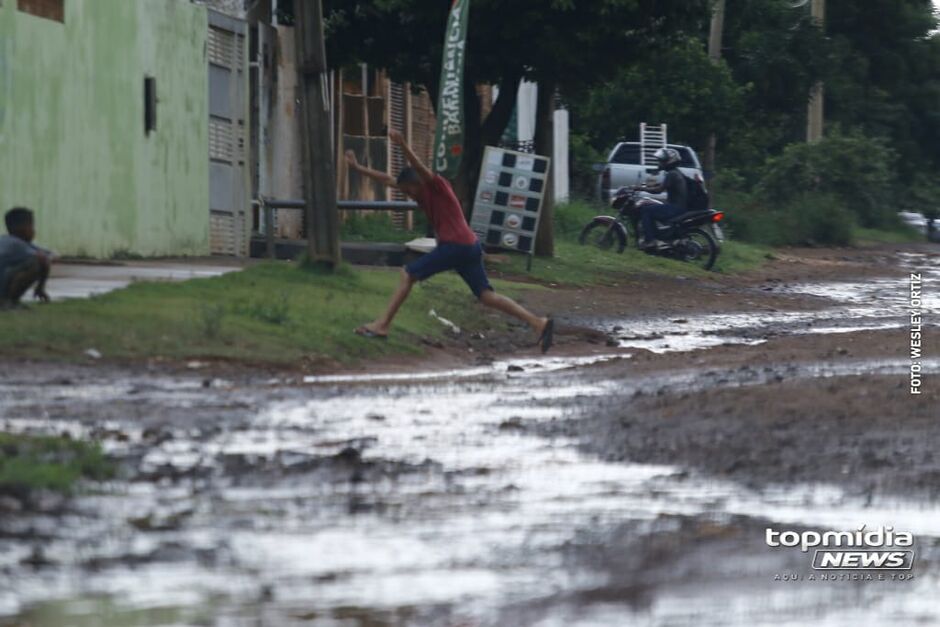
<point>79,280</point>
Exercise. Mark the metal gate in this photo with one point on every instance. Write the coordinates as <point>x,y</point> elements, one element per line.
<point>229,196</point>
<point>398,121</point>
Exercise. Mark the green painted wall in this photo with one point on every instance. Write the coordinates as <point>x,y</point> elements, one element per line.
<point>72,141</point>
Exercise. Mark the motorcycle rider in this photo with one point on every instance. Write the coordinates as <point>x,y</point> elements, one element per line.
<point>677,197</point>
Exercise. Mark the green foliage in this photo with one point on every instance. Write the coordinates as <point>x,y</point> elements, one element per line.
<point>746,220</point>
<point>564,44</point>
<point>885,73</point>
<point>881,70</point>
<point>378,227</point>
<point>571,42</point>
<point>922,194</point>
<point>815,219</point>
<point>682,87</point>
<point>815,194</point>
<point>30,463</point>
<point>777,51</point>
<point>803,220</point>
<point>583,156</point>
<point>571,217</point>
<point>854,170</point>
<point>620,62</point>
<point>285,12</point>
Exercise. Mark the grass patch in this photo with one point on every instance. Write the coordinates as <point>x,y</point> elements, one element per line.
<point>577,265</point>
<point>29,463</point>
<point>573,264</point>
<point>899,235</point>
<point>293,314</point>
<point>742,256</point>
<point>274,313</point>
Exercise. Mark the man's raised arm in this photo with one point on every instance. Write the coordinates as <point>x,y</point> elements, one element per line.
<point>382,177</point>
<point>423,170</point>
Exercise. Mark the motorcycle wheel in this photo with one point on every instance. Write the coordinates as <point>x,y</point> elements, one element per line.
<point>600,234</point>
<point>698,247</point>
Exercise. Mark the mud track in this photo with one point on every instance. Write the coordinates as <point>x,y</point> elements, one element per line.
<point>627,481</point>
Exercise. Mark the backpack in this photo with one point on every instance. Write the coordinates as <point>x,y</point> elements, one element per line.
<point>697,198</point>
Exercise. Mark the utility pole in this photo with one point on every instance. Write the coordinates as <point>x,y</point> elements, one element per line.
<point>318,179</point>
<point>815,117</point>
<point>717,31</point>
<point>715,39</point>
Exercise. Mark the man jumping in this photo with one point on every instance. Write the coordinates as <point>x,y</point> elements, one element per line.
<point>457,246</point>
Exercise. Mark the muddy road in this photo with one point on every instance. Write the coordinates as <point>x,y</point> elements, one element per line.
<point>623,483</point>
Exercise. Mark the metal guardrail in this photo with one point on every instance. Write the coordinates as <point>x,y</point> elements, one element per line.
<point>345,205</point>
<point>270,205</point>
<point>377,205</point>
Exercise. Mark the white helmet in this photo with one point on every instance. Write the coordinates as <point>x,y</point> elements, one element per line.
<point>668,158</point>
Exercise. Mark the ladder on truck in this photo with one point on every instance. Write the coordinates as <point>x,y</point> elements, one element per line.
<point>652,138</point>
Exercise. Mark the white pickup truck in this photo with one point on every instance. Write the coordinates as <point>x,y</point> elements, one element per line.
<point>624,168</point>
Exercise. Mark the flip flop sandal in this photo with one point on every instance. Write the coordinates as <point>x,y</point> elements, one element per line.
<point>548,336</point>
<point>367,333</point>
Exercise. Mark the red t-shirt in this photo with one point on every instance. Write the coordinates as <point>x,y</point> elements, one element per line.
<point>440,204</point>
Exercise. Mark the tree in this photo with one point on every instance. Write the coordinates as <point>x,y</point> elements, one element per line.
<point>571,44</point>
<point>880,65</point>
<point>885,77</point>
<point>753,99</point>
<point>778,53</point>
<point>684,88</point>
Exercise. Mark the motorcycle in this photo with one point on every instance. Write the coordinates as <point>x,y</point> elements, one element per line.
<point>685,236</point>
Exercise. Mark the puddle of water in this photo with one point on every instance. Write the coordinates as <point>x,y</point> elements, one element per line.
<point>787,605</point>
<point>881,297</point>
<point>457,509</point>
<point>479,530</point>
<point>513,367</point>
<point>83,281</point>
<point>875,304</point>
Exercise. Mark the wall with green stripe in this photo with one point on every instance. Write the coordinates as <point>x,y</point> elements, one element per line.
<point>72,140</point>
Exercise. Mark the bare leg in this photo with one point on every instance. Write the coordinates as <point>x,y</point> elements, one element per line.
<point>24,278</point>
<point>381,325</point>
<point>510,307</point>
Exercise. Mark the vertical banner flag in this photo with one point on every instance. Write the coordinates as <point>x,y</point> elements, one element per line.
<point>448,139</point>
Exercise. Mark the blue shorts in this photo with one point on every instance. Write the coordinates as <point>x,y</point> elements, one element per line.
<point>467,260</point>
